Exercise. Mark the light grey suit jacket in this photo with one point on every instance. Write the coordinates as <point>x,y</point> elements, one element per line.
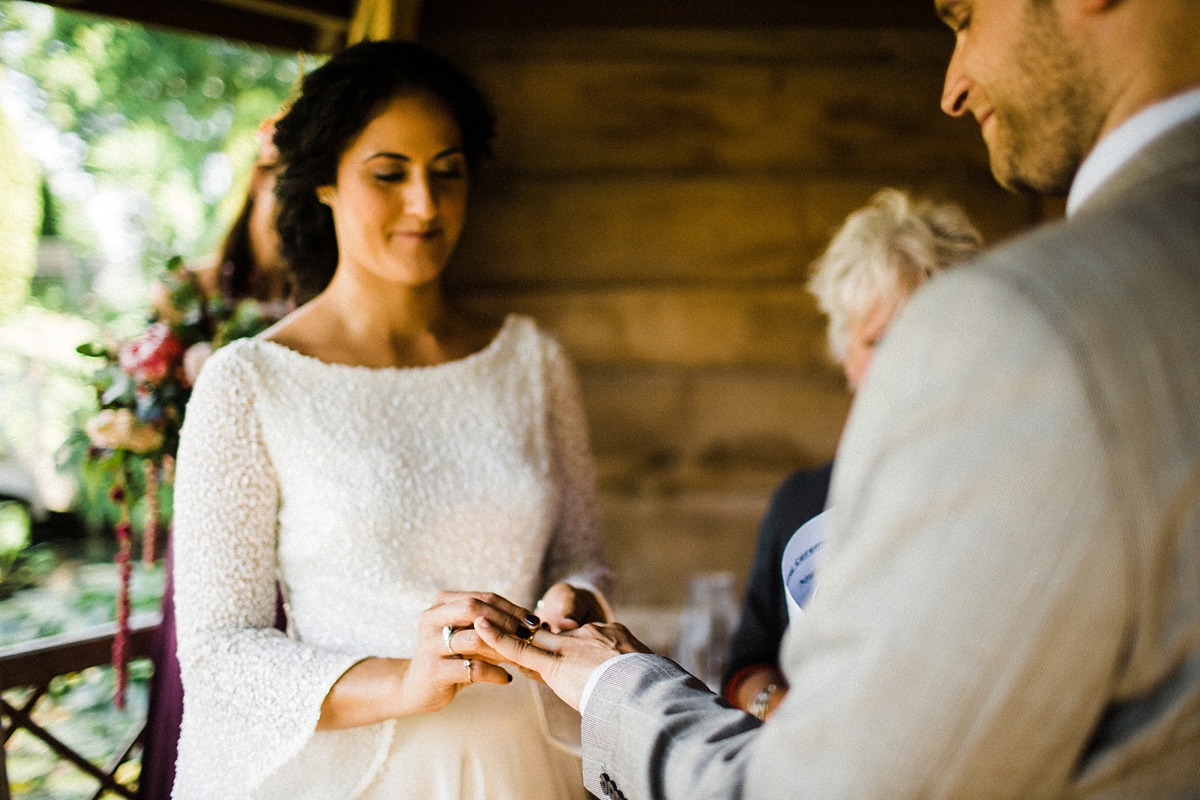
<point>1009,603</point>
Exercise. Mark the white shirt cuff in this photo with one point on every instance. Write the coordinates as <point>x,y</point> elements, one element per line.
<point>594,678</point>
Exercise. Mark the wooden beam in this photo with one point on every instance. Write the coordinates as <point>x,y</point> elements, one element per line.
<point>320,26</point>
<point>538,14</point>
<point>315,26</point>
<point>408,19</point>
<point>317,17</point>
<point>375,20</point>
<point>675,328</point>
<point>621,231</point>
<point>35,662</point>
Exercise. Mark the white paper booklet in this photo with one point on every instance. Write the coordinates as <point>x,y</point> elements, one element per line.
<point>800,562</point>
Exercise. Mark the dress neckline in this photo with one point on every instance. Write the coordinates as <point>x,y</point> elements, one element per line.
<point>491,346</point>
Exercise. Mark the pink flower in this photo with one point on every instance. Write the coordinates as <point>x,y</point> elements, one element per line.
<point>119,428</point>
<point>150,357</point>
<point>193,360</point>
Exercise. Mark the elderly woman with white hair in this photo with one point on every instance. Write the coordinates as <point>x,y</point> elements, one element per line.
<point>880,256</point>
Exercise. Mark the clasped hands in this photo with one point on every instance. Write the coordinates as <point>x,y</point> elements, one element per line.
<point>561,644</point>
<point>464,637</point>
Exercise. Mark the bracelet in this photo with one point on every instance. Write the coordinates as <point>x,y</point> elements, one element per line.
<point>757,707</point>
<point>735,680</point>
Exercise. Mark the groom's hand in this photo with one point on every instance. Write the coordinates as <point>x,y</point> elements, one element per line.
<point>564,608</point>
<point>564,660</point>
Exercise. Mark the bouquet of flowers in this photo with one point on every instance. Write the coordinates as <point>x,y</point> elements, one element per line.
<point>143,388</point>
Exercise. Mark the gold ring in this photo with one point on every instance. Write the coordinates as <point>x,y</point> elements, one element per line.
<point>525,634</point>
<point>448,636</point>
<point>468,663</point>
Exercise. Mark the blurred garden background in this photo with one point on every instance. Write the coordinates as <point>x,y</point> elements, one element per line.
<point>120,147</point>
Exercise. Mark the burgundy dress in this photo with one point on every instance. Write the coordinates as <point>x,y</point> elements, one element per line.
<point>163,718</point>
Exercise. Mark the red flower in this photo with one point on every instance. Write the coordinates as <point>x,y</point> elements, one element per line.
<point>151,357</point>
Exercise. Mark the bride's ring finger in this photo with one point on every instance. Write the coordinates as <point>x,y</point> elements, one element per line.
<point>469,665</point>
<point>448,632</point>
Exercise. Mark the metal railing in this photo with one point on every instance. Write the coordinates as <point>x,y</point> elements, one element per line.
<point>35,663</point>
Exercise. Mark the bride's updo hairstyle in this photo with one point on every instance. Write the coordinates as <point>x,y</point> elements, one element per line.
<point>337,101</point>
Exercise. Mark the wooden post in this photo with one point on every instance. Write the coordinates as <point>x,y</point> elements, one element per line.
<point>4,795</point>
<point>407,16</point>
<point>375,20</point>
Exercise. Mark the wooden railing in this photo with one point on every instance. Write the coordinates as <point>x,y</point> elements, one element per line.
<point>34,664</point>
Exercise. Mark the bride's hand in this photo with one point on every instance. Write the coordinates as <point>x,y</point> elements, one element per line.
<point>376,689</point>
<point>450,653</point>
<point>564,608</point>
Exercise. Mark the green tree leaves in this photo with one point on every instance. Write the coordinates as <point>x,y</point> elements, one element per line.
<point>170,116</point>
<point>20,215</point>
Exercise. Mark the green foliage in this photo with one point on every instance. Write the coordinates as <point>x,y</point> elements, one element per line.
<point>167,120</point>
<point>168,115</point>
<point>20,210</point>
<point>15,524</point>
<point>49,220</point>
<point>20,566</point>
<point>244,320</point>
<point>25,568</point>
<point>142,388</point>
<point>76,597</point>
<point>166,123</point>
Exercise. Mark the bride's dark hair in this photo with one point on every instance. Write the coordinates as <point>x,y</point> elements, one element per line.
<point>337,101</point>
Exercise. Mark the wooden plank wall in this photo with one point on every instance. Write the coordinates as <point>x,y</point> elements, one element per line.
<point>656,199</point>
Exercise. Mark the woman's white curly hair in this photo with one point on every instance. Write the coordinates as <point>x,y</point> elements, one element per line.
<point>884,250</point>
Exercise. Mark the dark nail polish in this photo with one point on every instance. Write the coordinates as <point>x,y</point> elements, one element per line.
<point>532,621</point>
<point>524,633</point>
<point>545,626</point>
<point>510,678</point>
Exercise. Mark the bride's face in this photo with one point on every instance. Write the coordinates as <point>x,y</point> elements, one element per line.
<point>401,193</point>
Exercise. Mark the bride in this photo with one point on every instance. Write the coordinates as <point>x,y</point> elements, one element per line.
<point>378,452</point>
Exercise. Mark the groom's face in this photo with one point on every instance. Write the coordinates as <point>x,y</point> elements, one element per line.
<point>1029,84</point>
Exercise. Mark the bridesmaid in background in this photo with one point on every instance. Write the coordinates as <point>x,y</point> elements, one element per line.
<point>249,265</point>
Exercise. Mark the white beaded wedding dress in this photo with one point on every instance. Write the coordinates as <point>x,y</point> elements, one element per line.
<point>365,492</point>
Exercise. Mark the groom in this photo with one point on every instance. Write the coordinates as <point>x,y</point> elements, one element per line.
<point>1010,600</point>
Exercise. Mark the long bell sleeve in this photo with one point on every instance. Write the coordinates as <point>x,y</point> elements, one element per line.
<point>575,553</point>
<point>252,694</point>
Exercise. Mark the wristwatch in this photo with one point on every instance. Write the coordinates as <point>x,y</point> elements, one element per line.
<point>758,704</point>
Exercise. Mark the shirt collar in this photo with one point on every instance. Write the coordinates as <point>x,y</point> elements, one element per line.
<point>1120,146</point>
